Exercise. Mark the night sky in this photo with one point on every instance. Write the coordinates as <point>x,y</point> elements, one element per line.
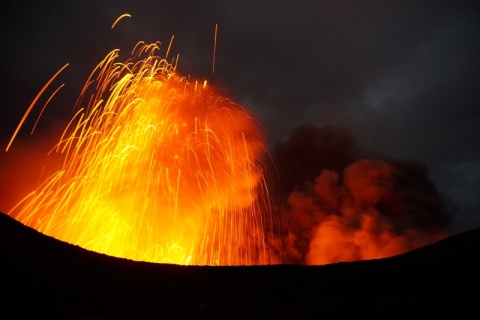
<point>402,76</point>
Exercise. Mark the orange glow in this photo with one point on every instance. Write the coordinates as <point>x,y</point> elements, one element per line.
<point>156,168</point>
<point>362,214</point>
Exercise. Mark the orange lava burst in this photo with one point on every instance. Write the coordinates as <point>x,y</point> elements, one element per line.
<point>156,168</point>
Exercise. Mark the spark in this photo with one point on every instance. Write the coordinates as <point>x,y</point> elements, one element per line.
<point>156,169</point>
<point>33,104</point>
<point>125,15</point>
<point>214,48</point>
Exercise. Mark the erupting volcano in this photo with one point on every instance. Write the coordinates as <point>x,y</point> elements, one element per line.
<point>157,167</point>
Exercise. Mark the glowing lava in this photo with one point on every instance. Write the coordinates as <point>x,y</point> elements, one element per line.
<point>156,167</point>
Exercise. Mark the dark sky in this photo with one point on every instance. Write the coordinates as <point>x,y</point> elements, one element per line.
<point>403,76</point>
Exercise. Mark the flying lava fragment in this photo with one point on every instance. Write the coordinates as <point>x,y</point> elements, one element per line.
<point>156,167</point>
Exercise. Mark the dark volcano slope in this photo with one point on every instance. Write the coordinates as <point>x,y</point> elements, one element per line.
<point>43,278</point>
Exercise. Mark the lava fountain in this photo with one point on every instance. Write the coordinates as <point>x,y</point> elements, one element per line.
<point>156,167</point>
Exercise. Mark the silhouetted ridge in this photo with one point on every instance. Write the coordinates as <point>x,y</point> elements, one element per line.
<point>46,278</point>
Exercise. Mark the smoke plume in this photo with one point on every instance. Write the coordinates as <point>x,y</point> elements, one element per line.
<point>344,205</point>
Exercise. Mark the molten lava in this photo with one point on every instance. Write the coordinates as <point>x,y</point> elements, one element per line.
<point>156,167</point>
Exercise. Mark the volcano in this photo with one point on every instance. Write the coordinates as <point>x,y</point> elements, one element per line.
<point>46,278</point>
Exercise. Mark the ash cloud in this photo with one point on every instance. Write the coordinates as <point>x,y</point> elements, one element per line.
<point>344,204</point>
<point>310,149</point>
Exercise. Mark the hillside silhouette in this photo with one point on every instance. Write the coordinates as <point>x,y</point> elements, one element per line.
<point>44,278</point>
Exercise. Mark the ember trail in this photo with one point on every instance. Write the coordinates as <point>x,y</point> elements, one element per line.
<point>156,167</point>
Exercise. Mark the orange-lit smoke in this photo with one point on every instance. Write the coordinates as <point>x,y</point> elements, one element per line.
<point>367,210</point>
<point>156,167</point>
